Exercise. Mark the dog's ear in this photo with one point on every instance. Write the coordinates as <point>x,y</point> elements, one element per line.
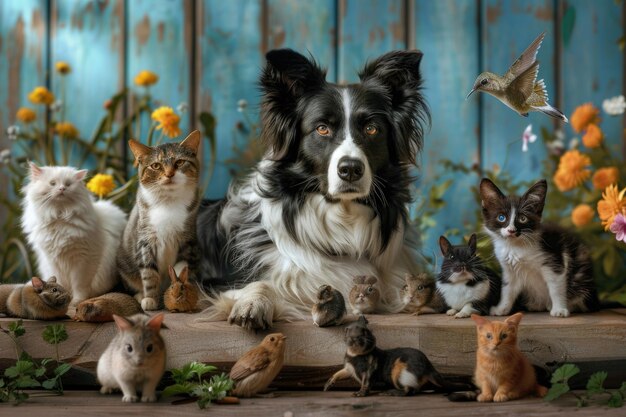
<point>399,72</point>
<point>287,76</point>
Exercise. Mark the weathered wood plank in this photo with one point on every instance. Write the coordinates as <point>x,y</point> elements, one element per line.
<point>89,36</point>
<point>592,63</point>
<point>307,27</point>
<point>160,40</point>
<point>228,58</point>
<point>449,25</point>
<point>502,128</point>
<point>368,28</point>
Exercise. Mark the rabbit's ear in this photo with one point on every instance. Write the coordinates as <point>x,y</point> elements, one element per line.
<point>371,280</point>
<point>184,274</point>
<point>172,274</point>
<point>359,279</point>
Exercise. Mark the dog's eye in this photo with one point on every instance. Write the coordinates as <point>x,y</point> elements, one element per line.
<point>323,130</point>
<point>371,130</point>
<point>156,166</point>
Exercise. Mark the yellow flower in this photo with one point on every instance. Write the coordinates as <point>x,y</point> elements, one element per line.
<point>604,177</point>
<point>584,115</point>
<point>101,184</point>
<point>63,67</point>
<point>168,121</point>
<point>571,171</point>
<point>66,129</point>
<point>593,136</point>
<point>146,78</point>
<point>41,95</point>
<point>611,205</point>
<point>26,115</point>
<point>582,215</point>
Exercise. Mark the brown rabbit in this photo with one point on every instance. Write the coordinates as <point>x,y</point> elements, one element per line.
<point>420,295</point>
<point>364,295</point>
<point>102,308</point>
<point>182,295</point>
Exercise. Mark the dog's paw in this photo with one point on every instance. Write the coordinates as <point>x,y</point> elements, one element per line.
<point>252,313</point>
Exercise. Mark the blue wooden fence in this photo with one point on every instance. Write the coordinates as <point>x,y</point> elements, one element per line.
<point>208,53</point>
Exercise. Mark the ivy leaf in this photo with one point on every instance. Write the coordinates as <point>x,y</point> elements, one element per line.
<point>595,385</point>
<point>556,391</point>
<point>616,400</point>
<point>55,334</point>
<point>564,373</point>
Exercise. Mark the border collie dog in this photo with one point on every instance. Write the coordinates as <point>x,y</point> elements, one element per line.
<point>329,199</point>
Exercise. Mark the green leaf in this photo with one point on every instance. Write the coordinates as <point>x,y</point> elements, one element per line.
<point>622,389</point>
<point>564,373</point>
<point>556,391</point>
<point>581,402</point>
<point>27,382</point>
<point>17,328</point>
<point>616,400</point>
<point>20,368</point>
<point>55,334</point>
<point>49,383</point>
<point>62,369</point>
<point>595,385</point>
<point>177,389</point>
<point>40,372</point>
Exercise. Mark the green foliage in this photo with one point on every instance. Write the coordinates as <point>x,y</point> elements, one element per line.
<point>27,373</point>
<point>188,381</point>
<point>595,387</point>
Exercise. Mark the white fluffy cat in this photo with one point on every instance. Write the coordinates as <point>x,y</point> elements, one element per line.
<point>74,238</point>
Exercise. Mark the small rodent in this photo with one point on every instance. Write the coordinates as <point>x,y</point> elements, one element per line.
<point>330,308</point>
<point>402,371</point>
<point>420,295</point>
<point>101,309</point>
<point>37,300</point>
<point>182,295</point>
<point>364,295</point>
<point>135,358</point>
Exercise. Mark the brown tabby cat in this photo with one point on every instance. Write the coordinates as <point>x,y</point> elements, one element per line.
<point>503,373</point>
<point>161,230</point>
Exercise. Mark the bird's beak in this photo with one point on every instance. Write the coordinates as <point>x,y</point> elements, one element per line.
<point>470,93</point>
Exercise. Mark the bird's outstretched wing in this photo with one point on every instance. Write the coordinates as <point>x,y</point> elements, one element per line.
<point>524,84</point>
<point>250,363</point>
<point>526,60</point>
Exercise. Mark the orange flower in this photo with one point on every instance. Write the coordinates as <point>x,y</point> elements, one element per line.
<point>25,115</point>
<point>572,170</point>
<point>168,121</point>
<point>604,177</point>
<point>66,129</point>
<point>41,95</point>
<point>146,78</point>
<point>582,215</point>
<point>583,116</point>
<point>63,67</point>
<point>611,205</point>
<point>593,137</point>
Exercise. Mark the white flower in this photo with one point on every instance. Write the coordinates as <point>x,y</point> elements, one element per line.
<point>573,143</point>
<point>5,156</point>
<point>12,132</point>
<point>528,137</point>
<point>241,105</point>
<point>56,106</point>
<point>182,107</point>
<point>614,106</point>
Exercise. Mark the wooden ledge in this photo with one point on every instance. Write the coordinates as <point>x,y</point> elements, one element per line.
<point>314,353</point>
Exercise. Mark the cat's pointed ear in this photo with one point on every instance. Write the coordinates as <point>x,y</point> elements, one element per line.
<point>371,280</point>
<point>80,175</point>
<point>35,171</point>
<point>514,319</point>
<point>122,323</point>
<point>445,245</point>
<point>52,279</point>
<point>172,274</point>
<point>37,284</point>
<point>472,243</point>
<point>489,191</point>
<point>156,322</point>
<point>192,141</point>
<point>479,320</point>
<point>535,197</point>
<point>184,274</point>
<point>138,149</point>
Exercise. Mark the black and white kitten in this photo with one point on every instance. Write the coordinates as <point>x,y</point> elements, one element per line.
<point>544,267</point>
<point>466,284</point>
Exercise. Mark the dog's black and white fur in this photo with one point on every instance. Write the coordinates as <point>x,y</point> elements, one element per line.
<point>329,199</point>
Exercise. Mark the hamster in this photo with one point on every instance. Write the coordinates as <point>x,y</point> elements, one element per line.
<point>101,309</point>
<point>182,295</point>
<point>135,358</point>
<point>37,300</point>
<point>330,308</point>
<point>364,295</point>
<point>420,295</point>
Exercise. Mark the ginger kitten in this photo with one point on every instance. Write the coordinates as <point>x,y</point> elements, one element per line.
<point>502,373</point>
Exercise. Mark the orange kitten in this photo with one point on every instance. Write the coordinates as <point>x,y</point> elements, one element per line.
<point>503,373</point>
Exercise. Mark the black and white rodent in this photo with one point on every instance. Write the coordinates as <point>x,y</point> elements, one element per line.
<point>364,295</point>
<point>420,295</point>
<point>330,308</point>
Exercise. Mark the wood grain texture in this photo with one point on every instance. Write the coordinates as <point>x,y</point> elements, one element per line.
<point>228,59</point>
<point>508,28</point>
<point>449,343</point>
<point>446,26</point>
<point>304,403</point>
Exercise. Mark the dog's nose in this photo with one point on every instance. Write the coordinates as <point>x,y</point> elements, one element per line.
<point>350,169</point>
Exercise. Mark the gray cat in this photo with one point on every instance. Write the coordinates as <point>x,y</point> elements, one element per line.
<point>161,230</point>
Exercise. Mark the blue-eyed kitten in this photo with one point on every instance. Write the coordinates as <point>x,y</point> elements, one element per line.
<point>466,284</point>
<point>161,230</point>
<point>544,267</point>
